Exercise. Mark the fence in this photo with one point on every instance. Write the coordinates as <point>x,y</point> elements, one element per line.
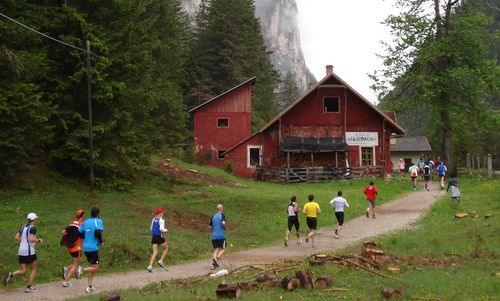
<point>483,165</point>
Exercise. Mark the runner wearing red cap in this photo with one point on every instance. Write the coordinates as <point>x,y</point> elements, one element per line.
<point>157,230</point>
<point>71,239</point>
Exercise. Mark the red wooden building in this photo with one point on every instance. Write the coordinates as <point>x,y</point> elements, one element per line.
<point>330,130</point>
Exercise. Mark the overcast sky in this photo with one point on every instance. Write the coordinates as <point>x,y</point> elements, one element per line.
<point>345,34</point>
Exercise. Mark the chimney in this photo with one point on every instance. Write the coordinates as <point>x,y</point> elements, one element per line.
<point>311,85</point>
<point>329,70</point>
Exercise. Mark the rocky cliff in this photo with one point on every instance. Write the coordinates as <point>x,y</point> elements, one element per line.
<point>278,19</point>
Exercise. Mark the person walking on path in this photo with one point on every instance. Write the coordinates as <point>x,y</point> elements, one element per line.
<point>71,239</point>
<point>158,230</point>
<point>441,170</point>
<point>402,167</point>
<point>91,230</point>
<point>311,210</point>
<point>413,170</point>
<point>293,220</point>
<point>218,226</point>
<point>421,164</point>
<point>455,190</point>
<point>427,175</point>
<point>371,192</point>
<point>338,205</point>
<point>26,254</point>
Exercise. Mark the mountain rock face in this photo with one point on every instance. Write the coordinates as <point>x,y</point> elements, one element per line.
<point>278,19</point>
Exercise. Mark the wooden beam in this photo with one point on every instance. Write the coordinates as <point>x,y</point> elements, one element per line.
<point>312,159</point>
<point>336,159</point>
<point>288,160</point>
<point>332,86</point>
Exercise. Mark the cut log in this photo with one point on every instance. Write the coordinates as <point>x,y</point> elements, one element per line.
<point>192,170</point>
<point>393,269</point>
<point>388,293</point>
<point>293,284</point>
<point>461,215</point>
<point>322,282</point>
<point>488,215</point>
<point>317,261</point>
<point>267,279</point>
<point>113,297</point>
<point>305,278</point>
<point>284,281</point>
<point>228,291</point>
<point>369,244</point>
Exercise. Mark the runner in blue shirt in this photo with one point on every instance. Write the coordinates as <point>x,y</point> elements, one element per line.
<point>91,230</point>
<point>218,226</point>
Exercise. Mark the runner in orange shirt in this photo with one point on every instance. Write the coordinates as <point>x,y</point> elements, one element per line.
<point>71,239</point>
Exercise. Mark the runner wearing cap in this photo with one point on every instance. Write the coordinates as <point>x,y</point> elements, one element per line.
<point>27,255</point>
<point>91,230</point>
<point>71,239</point>
<point>157,230</point>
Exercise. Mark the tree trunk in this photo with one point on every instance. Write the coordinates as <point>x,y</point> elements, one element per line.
<point>446,143</point>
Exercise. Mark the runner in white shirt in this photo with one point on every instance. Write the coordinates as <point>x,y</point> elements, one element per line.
<point>338,204</point>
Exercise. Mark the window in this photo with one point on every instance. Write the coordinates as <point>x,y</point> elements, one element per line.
<point>331,104</point>
<point>223,122</point>
<point>254,156</point>
<point>366,156</point>
<point>220,154</point>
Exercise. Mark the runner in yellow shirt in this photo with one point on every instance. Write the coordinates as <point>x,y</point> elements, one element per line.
<point>311,210</point>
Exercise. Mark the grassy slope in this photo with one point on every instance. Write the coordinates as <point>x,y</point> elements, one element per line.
<point>256,214</point>
<point>436,235</point>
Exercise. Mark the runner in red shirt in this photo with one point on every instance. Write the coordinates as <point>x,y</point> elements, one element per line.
<point>71,239</point>
<point>371,196</point>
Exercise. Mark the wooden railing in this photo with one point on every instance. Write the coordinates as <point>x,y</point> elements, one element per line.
<point>314,174</point>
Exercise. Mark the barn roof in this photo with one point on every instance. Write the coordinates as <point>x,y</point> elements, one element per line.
<point>250,80</point>
<point>414,144</point>
<point>311,89</point>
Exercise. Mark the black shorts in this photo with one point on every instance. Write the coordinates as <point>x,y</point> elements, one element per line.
<point>76,254</point>
<point>427,177</point>
<point>340,217</point>
<point>27,259</point>
<point>293,221</point>
<point>92,257</point>
<point>312,223</point>
<point>219,243</point>
<point>157,240</point>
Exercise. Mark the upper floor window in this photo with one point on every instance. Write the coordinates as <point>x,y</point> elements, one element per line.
<point>330,104</point>
<point>223,122</point>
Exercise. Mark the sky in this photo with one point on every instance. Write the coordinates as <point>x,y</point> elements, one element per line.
<point>346,34</point>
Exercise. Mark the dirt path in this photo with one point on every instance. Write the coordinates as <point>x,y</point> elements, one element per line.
<point>390,217</point>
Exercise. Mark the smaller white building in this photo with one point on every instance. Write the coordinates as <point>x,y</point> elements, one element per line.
<point>410,150</point>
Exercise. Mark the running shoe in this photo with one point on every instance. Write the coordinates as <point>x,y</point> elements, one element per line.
<point>7,278</point>
<point>79,272</point>
<point>307,239</point>
<point>161,264</point>
<point>90,289</point>
<point>299,241</point>
<point>150,269</point>
<point>367,214</point>
<point>336,236</point>
<point>336,232</point>
<point>67,284</point>
<point>215,263</point>
<point>64,272</point>
<point>373,216</point>
<point>30,289</point>
<point>286,242</point>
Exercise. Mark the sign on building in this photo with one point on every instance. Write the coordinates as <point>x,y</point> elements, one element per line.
<point>361,138</point>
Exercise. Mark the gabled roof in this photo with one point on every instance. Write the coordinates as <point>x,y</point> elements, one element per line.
<point>250,80</point>
<point>311,89</point>
<point>414,144</point>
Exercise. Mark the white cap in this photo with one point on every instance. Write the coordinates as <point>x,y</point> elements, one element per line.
<point>32,216</point>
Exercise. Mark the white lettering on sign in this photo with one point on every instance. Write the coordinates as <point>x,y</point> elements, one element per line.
<point>361,138</point>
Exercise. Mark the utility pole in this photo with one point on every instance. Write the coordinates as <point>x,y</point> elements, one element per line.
<point>91,136</point>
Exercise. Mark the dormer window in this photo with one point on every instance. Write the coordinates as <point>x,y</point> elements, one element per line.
<point>331,104</point>
<point>222,122</point>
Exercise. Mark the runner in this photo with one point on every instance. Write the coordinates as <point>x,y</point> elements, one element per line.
<point>71,239</point>
<point>421,164</point>
<point>293,220</point>
<point>371,196</point>
<point>157,230</point>
<point>455,190</point>
<point>413,170</point>
<point>441,170</point>
<point>427,175</point>
<point>338,204</point>
<point>218,226</point>
<point>91,230</point>
<point>311,209</point>
<point>402,167</point>
<point>27,254</point>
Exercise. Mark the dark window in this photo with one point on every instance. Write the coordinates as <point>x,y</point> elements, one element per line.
<point>220,154</point>
<point>331,104</point>
<point>223,122</point>
<point>254,156</point>
<point>366,156</point>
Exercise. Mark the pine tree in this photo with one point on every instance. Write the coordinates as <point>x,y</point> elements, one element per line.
<point>289,91</point>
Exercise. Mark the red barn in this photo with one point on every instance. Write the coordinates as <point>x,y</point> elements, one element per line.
<point>331,130</point>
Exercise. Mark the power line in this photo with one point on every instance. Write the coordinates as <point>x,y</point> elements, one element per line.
<point>47,36</point>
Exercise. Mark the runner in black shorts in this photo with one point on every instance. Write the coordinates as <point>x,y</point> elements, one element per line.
<point>219,243</point>
<point>293,220</point>
<point>338,205</point>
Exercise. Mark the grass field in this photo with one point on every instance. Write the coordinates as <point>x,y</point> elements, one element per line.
<point>475,241</point>
<point>256,216</point>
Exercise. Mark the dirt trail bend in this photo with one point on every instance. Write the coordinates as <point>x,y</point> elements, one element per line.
<point>393,216</point>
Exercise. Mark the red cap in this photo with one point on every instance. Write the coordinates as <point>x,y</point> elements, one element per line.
<point>159,211</point>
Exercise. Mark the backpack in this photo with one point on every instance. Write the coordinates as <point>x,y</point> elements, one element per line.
<point>71,237</point>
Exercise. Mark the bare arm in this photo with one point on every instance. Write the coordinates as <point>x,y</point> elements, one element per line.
<point>32,238</point>
<point>17,237</point>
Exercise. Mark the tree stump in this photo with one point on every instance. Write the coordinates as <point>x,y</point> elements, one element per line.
<point>114,297</point>
<point>284,281</point>
<point>305,278</point>
<point>228,291</point>
<point>323,282</point>
<point>388,292</point>
<point>290,283</point>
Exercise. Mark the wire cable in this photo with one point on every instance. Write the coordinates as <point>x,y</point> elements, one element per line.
<point>47,36</point>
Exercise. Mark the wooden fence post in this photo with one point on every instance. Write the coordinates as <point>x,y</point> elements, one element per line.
<point>468,164</point>
<point>490,166</point>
